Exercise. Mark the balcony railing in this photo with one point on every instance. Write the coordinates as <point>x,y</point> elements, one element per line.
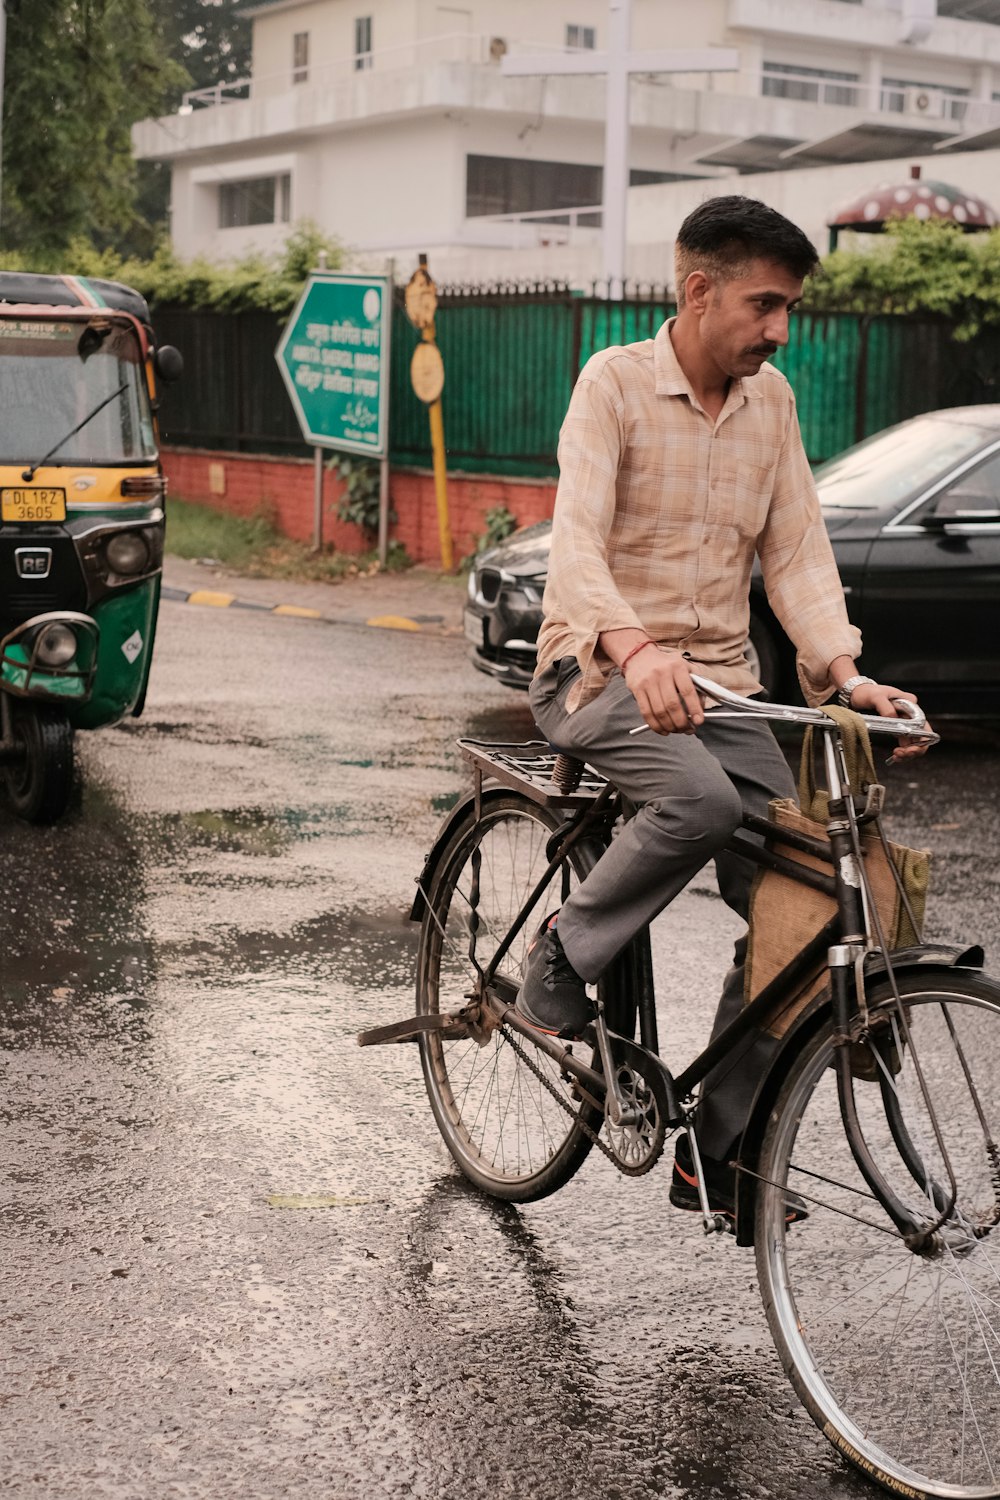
<point>543,226</point>
<point>912,101</point>
<point>453,47</point>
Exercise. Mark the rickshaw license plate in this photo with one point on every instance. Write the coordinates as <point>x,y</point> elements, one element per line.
<point>35,504</point>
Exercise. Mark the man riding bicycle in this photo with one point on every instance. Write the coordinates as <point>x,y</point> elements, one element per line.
<point>680,462</point>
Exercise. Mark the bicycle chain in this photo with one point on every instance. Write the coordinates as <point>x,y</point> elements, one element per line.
<point>563,1102</point>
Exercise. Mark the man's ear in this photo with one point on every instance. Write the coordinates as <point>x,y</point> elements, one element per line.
<point>697,289</point>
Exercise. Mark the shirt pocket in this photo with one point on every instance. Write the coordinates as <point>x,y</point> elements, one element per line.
<point>754,484</point>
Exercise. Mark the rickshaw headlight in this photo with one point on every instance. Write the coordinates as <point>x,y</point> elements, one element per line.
<point>56,646</point>
<point>127,552</point>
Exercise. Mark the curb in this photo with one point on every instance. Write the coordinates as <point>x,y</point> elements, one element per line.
<point>213,599</point>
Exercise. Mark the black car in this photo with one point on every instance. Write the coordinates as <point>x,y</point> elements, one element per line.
<point>914,517</point>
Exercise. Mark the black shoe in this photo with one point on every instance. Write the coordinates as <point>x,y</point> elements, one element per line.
<point>720,1184</point>
<point>553,997</point>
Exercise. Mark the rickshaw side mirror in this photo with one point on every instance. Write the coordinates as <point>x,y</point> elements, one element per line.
<point>168,363</point>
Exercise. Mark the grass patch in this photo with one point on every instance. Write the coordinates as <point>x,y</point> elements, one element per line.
<point>252,545</point>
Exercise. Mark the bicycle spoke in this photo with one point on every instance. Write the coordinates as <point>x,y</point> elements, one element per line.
<point>897,1348</point>
<point>506,1126</point>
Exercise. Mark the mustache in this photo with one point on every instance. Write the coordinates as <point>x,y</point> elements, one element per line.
<point>762,349</point>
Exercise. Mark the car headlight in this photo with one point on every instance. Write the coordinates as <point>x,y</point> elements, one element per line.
<point>473,586</point>
<point>56,646</point>
<point>127,552</point>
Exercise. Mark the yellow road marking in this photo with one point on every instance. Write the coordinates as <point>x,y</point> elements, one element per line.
<point>206,596</point>
<point>393,622</point>
<point>297,610</point>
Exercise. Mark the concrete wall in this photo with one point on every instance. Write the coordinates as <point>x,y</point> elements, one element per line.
<point>809,196</point>
<point>245,485</point>
<point>330,24</point>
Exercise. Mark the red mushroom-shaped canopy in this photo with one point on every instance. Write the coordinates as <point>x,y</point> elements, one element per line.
<point>922,200</point>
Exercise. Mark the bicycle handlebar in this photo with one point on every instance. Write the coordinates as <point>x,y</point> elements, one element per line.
<point>912,727</point>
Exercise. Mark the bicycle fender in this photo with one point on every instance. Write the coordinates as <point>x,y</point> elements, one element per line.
<point>924,956</point>
<point>451,821</point>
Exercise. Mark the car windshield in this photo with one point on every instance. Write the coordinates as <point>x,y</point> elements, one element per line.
<point>53,374</point>
<point>888,468</point>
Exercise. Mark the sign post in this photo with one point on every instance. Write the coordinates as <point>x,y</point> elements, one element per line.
<point>334,359</point>
<point>427,379</point>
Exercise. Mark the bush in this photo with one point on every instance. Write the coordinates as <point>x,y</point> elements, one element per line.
<point>268,282</point>
<point>916,267</point>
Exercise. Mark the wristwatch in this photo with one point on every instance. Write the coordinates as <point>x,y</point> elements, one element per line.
<point>847,688</point>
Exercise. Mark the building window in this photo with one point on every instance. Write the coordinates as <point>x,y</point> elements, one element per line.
<point>255,200</point>
<point>817,85</point>
<point>362,42</point>
<point>581,37</point>
<point>513,185</point>
<point>300,57</point>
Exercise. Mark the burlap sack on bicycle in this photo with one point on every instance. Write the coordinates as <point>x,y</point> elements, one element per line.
<point>785,916</point>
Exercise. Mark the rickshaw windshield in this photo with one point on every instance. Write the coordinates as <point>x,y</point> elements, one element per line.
<point>52,374</point>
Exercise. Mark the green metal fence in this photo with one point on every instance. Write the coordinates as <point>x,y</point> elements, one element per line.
<point>511,360</point>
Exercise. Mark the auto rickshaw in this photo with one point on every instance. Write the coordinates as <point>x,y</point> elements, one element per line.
<point>81,522</point>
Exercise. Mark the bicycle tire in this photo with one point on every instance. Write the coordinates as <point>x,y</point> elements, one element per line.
<point>894,1354</point>
<point>504,1129</point>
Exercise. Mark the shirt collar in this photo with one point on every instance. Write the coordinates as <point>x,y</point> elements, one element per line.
<point>670,379</point>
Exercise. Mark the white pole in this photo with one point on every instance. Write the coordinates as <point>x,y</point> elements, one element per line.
<point>383,471</point>
<point>317,500</point>
<point>616,132</point>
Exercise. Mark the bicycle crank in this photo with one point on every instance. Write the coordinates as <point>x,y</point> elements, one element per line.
<point>637,1136</point>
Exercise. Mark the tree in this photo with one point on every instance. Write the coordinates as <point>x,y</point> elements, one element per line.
<point>79,74</point>
<point>209,38</point>
<point>915,267</point>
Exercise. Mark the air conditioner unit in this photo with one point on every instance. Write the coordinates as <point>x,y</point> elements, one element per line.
<point>498,48</point>
<point>926,102</point>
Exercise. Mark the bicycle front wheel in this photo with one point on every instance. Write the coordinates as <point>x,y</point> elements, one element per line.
<point>510,1118</point>
<point>895,1352</point>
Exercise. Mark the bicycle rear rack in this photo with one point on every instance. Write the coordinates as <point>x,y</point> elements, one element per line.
<point>535,769</point>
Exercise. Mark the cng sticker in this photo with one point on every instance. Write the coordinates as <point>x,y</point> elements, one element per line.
<point>132,647</point>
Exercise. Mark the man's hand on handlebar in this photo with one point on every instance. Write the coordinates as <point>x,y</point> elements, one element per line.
<point>660,682</point>
<point>877,698</point>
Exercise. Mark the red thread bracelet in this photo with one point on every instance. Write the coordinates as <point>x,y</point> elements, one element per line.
<point>634,651</point>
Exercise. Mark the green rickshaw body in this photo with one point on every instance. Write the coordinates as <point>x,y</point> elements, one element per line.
<point>81,486</point>
<point>127,623</point>
<point>82,497</point>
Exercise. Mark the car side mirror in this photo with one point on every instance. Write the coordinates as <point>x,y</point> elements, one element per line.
<point>168,363</point>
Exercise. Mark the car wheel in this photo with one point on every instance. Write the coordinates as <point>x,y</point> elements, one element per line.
<point>762,656</point>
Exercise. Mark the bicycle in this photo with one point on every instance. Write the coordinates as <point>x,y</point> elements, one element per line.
<point>879,1109</point>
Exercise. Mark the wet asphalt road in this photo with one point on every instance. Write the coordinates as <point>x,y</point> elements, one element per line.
<point>186,962</point>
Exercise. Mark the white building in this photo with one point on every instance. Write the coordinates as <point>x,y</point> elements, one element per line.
<point>390,124</point>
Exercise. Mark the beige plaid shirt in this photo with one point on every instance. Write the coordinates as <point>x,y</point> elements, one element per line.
<point>660,512</point>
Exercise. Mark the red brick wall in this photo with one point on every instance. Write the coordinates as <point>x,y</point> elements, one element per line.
<point>284,488</point>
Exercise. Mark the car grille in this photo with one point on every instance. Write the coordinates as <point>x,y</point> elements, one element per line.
<point>489,585</point>
<point>64,588</point>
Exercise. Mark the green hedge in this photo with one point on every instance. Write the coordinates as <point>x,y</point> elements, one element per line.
<point>269,283</point>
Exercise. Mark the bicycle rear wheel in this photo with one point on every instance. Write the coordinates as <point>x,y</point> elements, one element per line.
<point>895,1353</point>
<point>515,1134</point>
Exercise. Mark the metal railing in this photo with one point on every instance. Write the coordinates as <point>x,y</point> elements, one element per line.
<point>451,47</point>
<point>912,100</point>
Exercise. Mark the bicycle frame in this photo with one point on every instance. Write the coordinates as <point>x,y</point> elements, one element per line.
<point>842,946</point>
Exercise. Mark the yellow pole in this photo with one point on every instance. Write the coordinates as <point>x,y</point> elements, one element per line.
<point>440,471</point>
<point>441,483</point>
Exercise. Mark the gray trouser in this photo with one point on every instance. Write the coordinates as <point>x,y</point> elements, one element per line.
<point>691,792</point>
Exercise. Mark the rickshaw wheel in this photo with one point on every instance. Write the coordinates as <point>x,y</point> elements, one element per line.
<point>38,786</point>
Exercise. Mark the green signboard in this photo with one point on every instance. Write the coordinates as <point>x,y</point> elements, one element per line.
<point>334,360</point>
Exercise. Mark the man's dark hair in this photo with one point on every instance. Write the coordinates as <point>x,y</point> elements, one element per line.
<point>722,237</point>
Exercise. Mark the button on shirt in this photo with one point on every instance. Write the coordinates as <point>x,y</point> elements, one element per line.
<point>659,514</point>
